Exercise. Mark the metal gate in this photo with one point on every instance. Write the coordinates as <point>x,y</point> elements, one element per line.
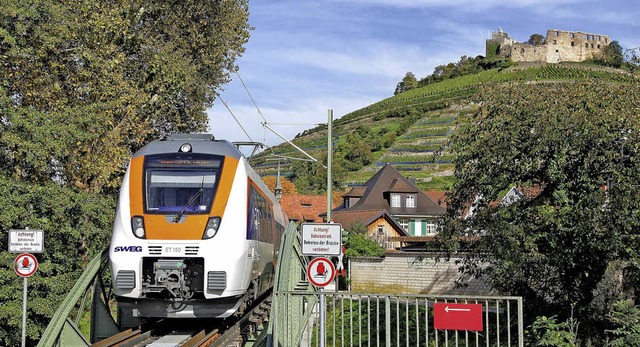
<point>392,320</point>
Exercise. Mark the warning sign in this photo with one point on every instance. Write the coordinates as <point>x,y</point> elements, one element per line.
<point>25,265</point>
<point>321,272</point>
<point>26,240</point>
<point>321,239</point>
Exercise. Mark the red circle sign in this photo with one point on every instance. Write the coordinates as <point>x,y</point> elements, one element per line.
<point>321,272</point>
<point>25,264</point>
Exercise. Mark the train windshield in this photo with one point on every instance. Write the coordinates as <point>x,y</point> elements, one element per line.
<point>178,184</point>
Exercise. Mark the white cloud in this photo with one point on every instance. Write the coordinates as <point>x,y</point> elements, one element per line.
<point>307,56</point>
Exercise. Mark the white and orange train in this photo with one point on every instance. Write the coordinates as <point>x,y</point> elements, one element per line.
<point>196,232</point>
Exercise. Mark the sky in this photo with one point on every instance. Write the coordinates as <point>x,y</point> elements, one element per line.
<point>305,57</point>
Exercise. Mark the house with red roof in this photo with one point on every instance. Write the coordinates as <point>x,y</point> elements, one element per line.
<point>304,208</point>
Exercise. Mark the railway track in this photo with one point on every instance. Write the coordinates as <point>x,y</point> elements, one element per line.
<point>194,333</point>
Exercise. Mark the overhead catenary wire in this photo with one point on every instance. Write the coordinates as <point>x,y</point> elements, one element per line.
<point>265,123</point>
<point>234,117</point>
<point>250,96</point>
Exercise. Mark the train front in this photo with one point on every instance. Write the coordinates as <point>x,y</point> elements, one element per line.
<point>178,247</point>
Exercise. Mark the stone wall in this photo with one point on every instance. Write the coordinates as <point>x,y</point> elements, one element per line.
<point>411,273</point>
<point>559,46</point>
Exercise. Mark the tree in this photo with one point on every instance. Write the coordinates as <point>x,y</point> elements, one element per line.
<point>83,85</point>
<point>311,178</point>
<point>408,82</point>
<point>536,40</point>
<point>553,246</point>
<point>612,55</point>
<point>104,78</point>
<point>288,188</point>
<point>358,244</point>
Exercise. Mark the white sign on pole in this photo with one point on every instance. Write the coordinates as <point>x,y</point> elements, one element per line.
<point>26,241</point>
<point>321,239</point>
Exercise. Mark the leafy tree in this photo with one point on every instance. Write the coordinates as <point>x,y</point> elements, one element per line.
<point>548,332</point>
<point>83,85</point>
<point>611,55</point>
<point>408,82</point>
<point>288,187</point>
<point>536,40</point>
<point>553,246</point>
<point>626,320</point>
<point>311,178</point>
<point>104,78</point>
<point>76,228</point>
<point>359,245</point>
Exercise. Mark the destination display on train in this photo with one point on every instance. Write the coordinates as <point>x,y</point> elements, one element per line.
<point>321,239</point>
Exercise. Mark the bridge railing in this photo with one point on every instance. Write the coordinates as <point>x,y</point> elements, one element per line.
<point>397,320</point>
<point>62,329</point>
<point>290,276</point>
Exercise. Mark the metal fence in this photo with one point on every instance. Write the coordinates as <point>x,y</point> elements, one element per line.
<point>393,320</point>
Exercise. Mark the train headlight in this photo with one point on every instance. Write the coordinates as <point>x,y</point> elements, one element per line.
<point>185,148</point>
<point>212,228</point>
<point>137,225</point>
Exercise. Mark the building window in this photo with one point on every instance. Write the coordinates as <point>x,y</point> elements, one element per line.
<point>404,223</point>
<point>346,203</point>
<point>431,228</point>
<point>573,43</point>
<point>586,45</point>
<point>555,42</point>
<point>598,37</point>
<point>572,35</point>
<point>411,201</point>
<point>557,33</point>
<point>395,200</point>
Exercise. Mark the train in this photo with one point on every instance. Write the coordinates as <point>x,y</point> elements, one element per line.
<point>196,232</point>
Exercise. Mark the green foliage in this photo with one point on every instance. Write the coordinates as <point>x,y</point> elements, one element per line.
<point>83,85</point>
<point>493,49</point>
<point>408,82</point>
<point>76,228</point>
<point>625,318</point>
<point>359,245</point>
<point>611,55</point>
<point>101,79</point>
<point>361,323</point>
<point>548,332</point>
<point>554,246</point>
<point>536,40</point>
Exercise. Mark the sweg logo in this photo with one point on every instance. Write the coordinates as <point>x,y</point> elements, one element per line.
<point>128,249</point>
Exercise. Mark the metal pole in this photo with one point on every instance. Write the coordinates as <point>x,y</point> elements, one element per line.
<point>329,162</point>
<point>322,319</point>
<point>24,313</point>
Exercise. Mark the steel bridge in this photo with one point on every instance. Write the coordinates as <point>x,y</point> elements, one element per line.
<point>351,319</point>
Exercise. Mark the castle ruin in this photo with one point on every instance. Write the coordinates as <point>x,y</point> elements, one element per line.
<point>558,46</point>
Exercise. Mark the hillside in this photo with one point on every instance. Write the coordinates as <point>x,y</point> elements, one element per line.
<point>411,130</point>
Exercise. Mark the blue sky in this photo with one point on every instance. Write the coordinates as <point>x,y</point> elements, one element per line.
<point>307,56</point>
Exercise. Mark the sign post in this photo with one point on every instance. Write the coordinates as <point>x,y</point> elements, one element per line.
<point>320,273</point>
<point>25,241</point>
<point>25,265</point>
